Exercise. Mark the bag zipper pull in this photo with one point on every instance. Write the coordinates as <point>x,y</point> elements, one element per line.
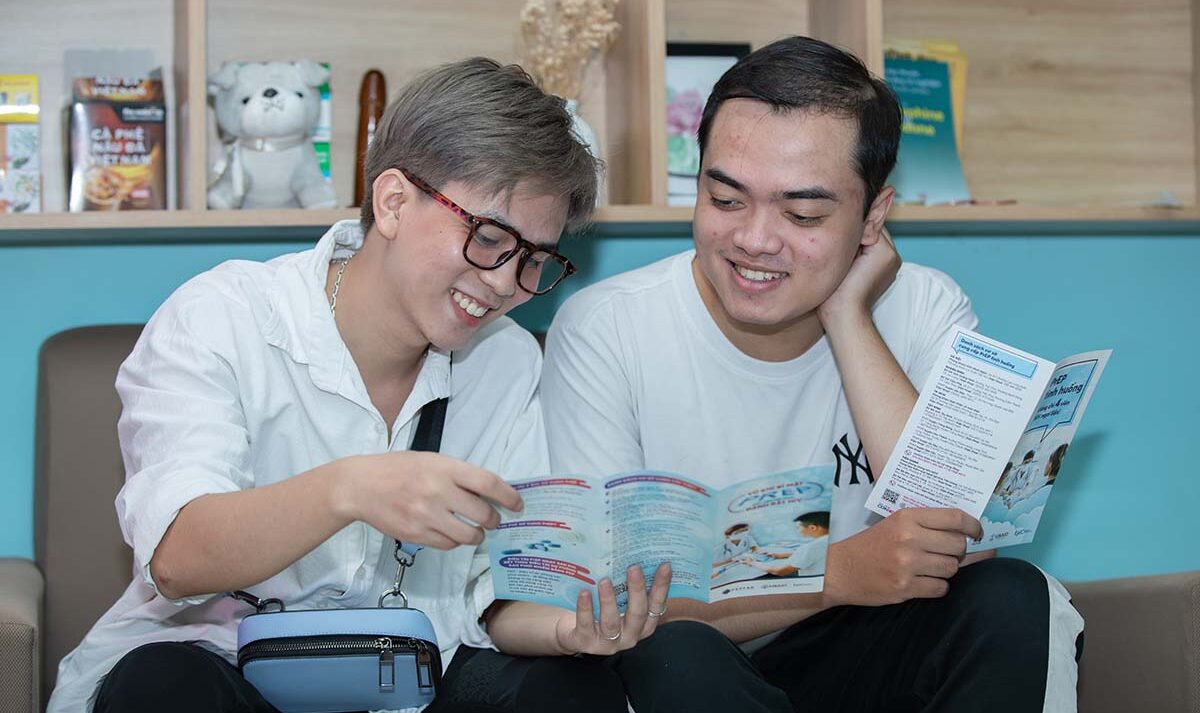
<point>387,664</point>
<point>424,665</point>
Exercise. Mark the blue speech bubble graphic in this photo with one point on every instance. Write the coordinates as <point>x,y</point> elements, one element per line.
<point>994,356</point>
<point>1067,386</point>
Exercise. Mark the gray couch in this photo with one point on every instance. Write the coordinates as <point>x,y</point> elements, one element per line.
<point>1142,650</point>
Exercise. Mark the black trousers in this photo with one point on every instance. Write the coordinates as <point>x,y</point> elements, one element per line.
<point>182,677</point>
<point>982,648</point>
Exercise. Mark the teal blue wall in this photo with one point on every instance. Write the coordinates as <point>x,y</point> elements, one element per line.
<point>1123,505</point>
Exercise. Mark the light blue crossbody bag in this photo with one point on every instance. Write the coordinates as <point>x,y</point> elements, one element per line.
<point>336,660</point>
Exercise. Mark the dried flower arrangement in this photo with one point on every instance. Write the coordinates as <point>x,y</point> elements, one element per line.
<point>560,37</point>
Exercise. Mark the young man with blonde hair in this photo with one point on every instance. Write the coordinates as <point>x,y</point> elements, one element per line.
<point>268,410</point>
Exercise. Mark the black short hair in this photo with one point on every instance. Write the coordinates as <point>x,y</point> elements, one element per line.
<point>800,73</point>
<point>820,518</point>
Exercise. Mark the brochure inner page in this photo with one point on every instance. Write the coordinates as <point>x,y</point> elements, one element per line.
<point>768,535</point>
<point>548,552</point>
<point>661,517</point>
<point>979,397</point>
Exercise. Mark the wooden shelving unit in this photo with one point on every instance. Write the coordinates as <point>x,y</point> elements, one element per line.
<point>148,219</point>
<point>1080,113</point>
<point>1071,105</point>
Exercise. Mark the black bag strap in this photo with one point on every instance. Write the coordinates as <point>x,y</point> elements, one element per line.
<point>428,438</point>
<point>429,429</point>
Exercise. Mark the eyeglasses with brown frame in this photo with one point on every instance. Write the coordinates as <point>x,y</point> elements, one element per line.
<point>490,244</point>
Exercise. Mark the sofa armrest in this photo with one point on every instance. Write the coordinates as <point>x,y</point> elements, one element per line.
<point>1141,644</point>
<point>21,587</point>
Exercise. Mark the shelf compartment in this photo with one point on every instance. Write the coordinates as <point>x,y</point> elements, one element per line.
<point>1070,104</point>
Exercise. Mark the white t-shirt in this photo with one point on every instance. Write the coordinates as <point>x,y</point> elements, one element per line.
<point>638,375</point>
<point>241,379</point>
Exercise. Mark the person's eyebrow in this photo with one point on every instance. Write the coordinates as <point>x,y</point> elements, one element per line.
<point>503,221</point>
<point>808,193</point>
<point>496,217</point>
<point>721,177</point>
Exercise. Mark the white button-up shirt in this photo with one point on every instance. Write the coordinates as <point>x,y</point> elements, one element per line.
<point>241,380</point>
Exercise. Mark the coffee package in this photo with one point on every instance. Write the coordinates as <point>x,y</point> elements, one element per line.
<point>118,144</point>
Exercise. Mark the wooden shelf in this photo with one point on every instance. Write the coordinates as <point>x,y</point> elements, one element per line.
<point>172,219</point>
<point>622,220</point>
<point>1039,214</point>
<point>1027,220</point>
<point>204,219</point>
<point>166,226</point>
<point>162,226</point>
<point>1067,104</point>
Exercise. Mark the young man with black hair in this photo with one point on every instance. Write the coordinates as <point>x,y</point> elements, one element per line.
<point>792,336</point>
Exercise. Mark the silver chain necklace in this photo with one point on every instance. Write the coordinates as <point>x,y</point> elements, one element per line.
<point>337,284</point>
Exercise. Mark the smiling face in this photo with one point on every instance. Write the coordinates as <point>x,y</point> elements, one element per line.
<point>440,298</point>
<point>778,221</point>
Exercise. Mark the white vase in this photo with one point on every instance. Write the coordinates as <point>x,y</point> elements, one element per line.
<point>587,137</point>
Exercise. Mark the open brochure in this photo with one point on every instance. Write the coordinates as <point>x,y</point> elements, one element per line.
<point>767,535</point>
<point>988,436</point>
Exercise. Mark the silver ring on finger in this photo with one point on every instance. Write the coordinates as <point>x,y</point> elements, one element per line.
<point>657,614</point>
<point>614,637</point>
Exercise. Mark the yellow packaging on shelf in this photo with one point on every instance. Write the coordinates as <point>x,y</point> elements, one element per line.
<point>20,162</point>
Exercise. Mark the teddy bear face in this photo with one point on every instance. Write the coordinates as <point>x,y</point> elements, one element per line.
<point>268,99</point>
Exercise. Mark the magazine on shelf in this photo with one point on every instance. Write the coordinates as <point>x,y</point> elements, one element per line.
<point>929,79</point>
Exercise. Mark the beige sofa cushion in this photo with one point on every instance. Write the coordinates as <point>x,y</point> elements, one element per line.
<point>78,471</point>
<point>20,596</point>
<point>1141,647</point>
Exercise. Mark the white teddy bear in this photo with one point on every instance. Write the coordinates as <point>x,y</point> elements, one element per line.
<point>265,111</point>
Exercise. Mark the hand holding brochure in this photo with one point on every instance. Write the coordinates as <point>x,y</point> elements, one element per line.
<point>762,536</point>
<point>988,435</point>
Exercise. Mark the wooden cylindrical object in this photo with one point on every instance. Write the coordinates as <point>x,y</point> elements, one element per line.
<point>372,99</point>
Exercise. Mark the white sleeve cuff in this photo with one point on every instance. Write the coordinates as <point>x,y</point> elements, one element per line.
<point>148,506</point>
<point>181,602</point>
<point>479,596</point>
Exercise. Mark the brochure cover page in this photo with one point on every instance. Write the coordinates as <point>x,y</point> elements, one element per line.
<point>1015,507</point>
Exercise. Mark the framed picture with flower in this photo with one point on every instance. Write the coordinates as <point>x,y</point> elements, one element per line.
<point>692,70</point>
